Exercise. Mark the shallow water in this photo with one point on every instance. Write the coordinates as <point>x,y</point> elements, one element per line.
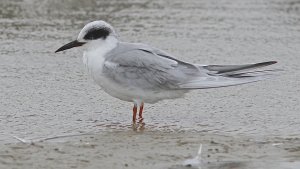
<point>44,94</point>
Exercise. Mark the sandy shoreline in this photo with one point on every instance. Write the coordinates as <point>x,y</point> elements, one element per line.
<point>152,149</point>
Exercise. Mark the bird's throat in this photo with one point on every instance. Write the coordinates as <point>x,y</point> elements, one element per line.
<point>95,54</point>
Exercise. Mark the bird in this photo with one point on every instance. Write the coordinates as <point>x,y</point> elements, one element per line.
<point>140,73</point>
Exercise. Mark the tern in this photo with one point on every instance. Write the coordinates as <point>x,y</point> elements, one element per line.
<point>139,73</point>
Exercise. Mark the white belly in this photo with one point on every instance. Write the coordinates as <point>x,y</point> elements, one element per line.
<point>134,94</point>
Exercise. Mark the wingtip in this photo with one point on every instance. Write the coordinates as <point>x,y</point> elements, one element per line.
<point>266,63</point>
<point>273,62</point>
<point>58,50</point>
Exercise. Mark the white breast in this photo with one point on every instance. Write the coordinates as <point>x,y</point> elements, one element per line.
<point>94,55</point>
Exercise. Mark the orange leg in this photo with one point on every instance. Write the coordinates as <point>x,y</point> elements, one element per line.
<point>134,110</point>
<point>141,111</point>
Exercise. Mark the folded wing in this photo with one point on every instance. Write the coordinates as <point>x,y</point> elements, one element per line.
<point>144,67</point>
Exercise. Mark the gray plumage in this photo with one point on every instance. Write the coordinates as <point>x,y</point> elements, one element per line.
<point>141,66</point>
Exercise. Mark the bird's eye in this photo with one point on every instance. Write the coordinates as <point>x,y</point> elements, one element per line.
<point>96,33</point>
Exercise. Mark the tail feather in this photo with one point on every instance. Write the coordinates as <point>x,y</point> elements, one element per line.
<point>229,75</point>
<point>254,73</point>
<point>222,69</point>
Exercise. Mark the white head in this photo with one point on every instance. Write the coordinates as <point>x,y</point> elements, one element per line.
<point>95,31</point>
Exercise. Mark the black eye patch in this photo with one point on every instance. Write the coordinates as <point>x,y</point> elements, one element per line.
<point>96,33</point>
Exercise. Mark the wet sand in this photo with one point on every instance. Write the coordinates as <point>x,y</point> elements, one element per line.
<point>44,95</point>
<point>153,149</point>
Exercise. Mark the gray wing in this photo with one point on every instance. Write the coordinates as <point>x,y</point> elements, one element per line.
<point>138,65</point>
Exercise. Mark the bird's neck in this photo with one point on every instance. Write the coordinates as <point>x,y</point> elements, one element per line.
<point>95,53</point>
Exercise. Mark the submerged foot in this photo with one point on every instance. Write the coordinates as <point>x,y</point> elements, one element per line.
<point>138,125</point>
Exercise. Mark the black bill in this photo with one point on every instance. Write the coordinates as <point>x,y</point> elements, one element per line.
<point>70,45</point>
